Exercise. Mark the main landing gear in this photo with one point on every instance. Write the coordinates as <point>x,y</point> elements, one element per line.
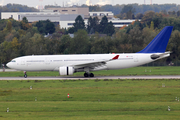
<point>88,75</point>
<point>25,75</point>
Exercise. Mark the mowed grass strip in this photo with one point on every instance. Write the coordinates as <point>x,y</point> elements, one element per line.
<point>163,70</point>
<point>90,99</point>
<point>94,110</point>
<point>91,90</point>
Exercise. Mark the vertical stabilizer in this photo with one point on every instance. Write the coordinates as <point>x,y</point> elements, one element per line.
<point>159,43</point>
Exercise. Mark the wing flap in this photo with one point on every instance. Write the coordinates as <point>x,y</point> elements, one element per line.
<point>94,64</point>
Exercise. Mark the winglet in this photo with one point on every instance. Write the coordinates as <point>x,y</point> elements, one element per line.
<point>116,57</point>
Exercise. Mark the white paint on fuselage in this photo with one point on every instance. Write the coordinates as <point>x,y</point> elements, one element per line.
<point>53,62</point>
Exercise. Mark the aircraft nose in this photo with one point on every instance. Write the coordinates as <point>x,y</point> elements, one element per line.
<point>8,65</point>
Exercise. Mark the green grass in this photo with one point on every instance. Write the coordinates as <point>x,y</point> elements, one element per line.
<point>163,70</point>
<point>90,99</point>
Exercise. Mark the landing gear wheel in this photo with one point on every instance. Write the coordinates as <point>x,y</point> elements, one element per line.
<point>86,75</point>
<point>25,76</point>
<point>91,75</point>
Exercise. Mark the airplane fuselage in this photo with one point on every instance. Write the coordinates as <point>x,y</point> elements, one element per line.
<point>53,62</point>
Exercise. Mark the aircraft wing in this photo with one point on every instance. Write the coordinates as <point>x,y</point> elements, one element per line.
<point>94,64</point>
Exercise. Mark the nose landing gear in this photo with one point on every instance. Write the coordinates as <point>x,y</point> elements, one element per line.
<point>25,75</point>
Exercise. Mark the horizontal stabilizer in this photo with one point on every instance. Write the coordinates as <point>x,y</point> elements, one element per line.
<point>156,56</point>
<point>159,43</point>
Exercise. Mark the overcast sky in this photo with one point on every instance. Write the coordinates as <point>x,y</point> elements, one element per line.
<point>34,3</point>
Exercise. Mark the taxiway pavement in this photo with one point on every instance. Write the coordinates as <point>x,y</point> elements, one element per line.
<point>96,77</point>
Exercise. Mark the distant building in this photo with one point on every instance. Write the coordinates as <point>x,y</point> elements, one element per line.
<point>67,20</point>
<point>65,17</point>
<point>101,14</point>
<point>32,16</point>
<point>72,10</point>
<point>83,11</point>
<point>120,23</point>
<point>63,20</point>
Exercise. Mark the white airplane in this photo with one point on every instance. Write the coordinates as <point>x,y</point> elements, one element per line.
<point>69,64</point>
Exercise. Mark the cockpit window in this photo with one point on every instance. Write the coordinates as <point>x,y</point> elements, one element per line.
<point>13,61</point>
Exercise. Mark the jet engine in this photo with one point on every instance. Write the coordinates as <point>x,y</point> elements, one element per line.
<point>66,70</point>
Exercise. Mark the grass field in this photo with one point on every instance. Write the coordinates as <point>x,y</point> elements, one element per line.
<point>163,70</point>
<point>90,100</point>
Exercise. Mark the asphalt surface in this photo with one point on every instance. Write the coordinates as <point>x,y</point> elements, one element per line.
<point>8,70</point>
<point>84,78</point>
<point>98,77</point>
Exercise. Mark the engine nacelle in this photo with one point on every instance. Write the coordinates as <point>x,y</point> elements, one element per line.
<point>66,70</point>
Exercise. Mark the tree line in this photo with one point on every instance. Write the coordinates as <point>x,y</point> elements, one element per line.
<point>116,9</point>
<point>94,25</point>
<point>17,8</point>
